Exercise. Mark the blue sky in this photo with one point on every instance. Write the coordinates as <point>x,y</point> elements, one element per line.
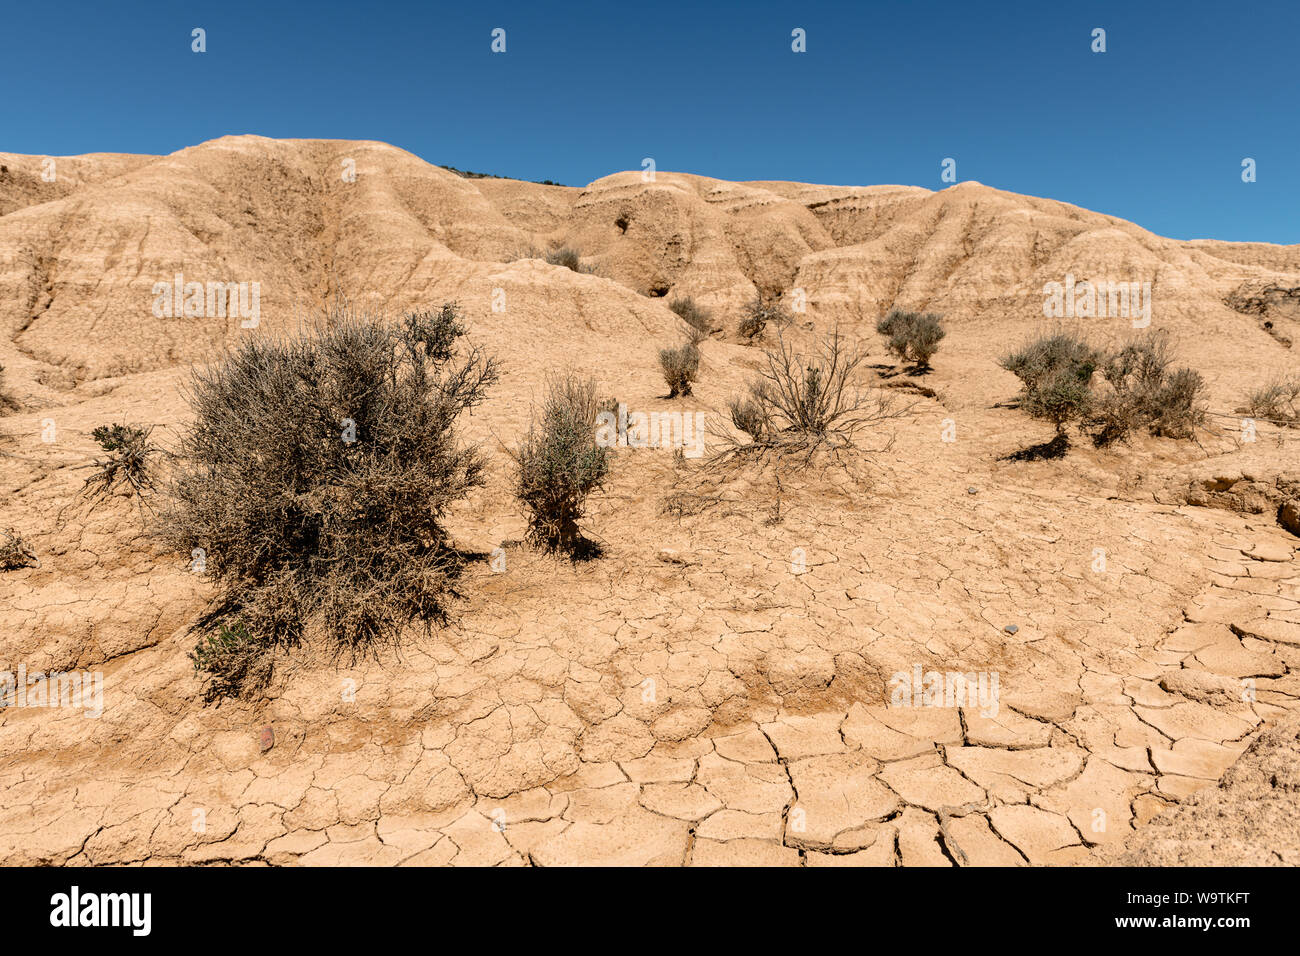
<point>1153,130</point>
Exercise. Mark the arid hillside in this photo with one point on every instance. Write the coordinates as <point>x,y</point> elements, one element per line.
<point>716,688</point>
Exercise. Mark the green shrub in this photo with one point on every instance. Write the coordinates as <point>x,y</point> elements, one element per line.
<point>912,336</point>
<point>680,366</point>
<point>1056,370</point>
<point>559,464</point>
<point>317,471</point>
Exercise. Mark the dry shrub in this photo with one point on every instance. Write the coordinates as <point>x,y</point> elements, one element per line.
<point>316,474</point>
<point>757,316</point>
<point>750,415</point>
<point>15,552</point>
<point>127,461</point>
<point>566,256</point>
<point>912,336</point>
<point>803,401</point>
<point>680,366</point>
<point>559,464</point>
<point>1277,401</point>
<point>1146,393</point>
<point>695,315</point>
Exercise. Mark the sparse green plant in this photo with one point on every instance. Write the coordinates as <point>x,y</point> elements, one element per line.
<point>694,314</point>
<point>1277,401</point>
<point>680,366</point>
<point>16,552</point>
<point>559,464</point>
<point>127,461</point>
<point>912,336</point>
<point>317,472</point>
<point>235,663</point>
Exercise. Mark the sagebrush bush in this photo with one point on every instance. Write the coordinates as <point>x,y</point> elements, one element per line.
<point>567,257</point>
<point>559,464</point>
<point>1056,370</point>
<point>695,315</point>
<point>804,400</point>
<point>316,473</point>
<point>912,336</point>
<point>15,552</point>
<point>758,313</point>
<point>1145,392</point>
<point>680,366</point>
<point>1277,401</point>
<point>127,461</point>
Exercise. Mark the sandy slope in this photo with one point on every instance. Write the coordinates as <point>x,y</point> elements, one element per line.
<point>724,702</point>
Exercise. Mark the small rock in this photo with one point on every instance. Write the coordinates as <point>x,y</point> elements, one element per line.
<point>1289,516</point>
<point>972,490</point>
<point>268,738</point>
<point>669,556</point>
<point>1011,628</point>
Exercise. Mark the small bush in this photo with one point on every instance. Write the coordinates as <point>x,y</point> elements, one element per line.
<point>567,257</point>
<point>525,252</point>
<point>317,471</point>
<point>15,552</point>
<point>235,663</point>
<point>696,316</point>
<point>559,464</point>
<point>751,415</point>
<point>680,366</point>
<point>127,461</point>
<point>806,400</point>
<point>1056,370</point>
<point>1277,401</point>
<point>758,314</point>
<point>1146,393</point>
<point>912,336</point>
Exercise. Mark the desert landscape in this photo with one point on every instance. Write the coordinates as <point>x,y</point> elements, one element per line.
<point>739,671</point>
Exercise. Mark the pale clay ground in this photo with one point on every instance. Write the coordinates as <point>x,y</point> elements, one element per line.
<point>697,696</point>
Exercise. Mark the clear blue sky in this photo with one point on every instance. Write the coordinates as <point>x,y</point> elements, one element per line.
<point>1154,130</point>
